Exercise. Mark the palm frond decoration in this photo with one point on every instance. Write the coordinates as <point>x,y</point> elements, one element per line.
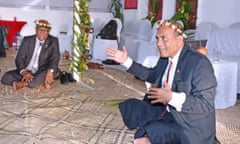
<point>114,102</point>
<point>184,11</point>
<point>115,7</point>
<point>153,15</point>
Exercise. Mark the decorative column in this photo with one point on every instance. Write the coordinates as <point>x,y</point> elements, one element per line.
<point>81,28</point>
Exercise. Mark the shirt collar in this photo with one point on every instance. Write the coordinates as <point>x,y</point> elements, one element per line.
<point>38,41</point>
<point>175,58</point>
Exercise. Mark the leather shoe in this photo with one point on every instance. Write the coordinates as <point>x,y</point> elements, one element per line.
<point>18,85</point>
<point>70,77</point>
<point>56,75</point>
<point>64,77</point>
<point>110,62</point>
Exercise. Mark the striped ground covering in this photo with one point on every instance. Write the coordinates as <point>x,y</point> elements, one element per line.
<point>75,114</point>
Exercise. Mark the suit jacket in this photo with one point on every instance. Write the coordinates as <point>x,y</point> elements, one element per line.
<point>49,55</point>
<point>194,76</point>
<point>2,48</point>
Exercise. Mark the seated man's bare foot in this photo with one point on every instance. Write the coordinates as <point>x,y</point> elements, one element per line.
<point>47,86</point>
<point>14,86</point>
<point>142,140</point>
<point>18,85</point>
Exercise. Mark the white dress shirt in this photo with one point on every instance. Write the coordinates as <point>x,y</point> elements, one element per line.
<point>35,54</point>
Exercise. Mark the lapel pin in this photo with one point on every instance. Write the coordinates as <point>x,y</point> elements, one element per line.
<point>178,70</point>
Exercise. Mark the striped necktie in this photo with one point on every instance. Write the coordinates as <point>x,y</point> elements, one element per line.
<point>168,72</point>
<point>36,59</point>
<point>169,69</point>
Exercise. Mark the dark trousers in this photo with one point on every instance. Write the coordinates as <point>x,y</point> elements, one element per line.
<point>145,117</point>
<point>9,77</point>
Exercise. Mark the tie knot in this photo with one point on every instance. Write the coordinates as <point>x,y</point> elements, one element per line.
<point>41,44</point>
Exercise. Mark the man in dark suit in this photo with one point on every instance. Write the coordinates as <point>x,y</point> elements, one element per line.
<point>2,48</point>
<point>36,61</point>
<point>179,107</point>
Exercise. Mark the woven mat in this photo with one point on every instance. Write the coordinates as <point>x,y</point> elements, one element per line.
<point>228,125</point>
<point>74,114</point>
<point>70,113</point>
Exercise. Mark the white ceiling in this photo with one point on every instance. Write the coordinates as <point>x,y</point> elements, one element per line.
<point>38,4</point>
<point>95,5</point>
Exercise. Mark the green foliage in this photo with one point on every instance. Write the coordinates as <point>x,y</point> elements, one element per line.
<point>115,7</point>
<point>184,12</point>
<point>155,6</point>
<point>152,16</point>
<point>114,102</point>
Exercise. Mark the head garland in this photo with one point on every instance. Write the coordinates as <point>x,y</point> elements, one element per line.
<point>43,23</point>
<point>172,24</point>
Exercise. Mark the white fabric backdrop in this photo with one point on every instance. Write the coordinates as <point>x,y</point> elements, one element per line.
<point>226,42</point>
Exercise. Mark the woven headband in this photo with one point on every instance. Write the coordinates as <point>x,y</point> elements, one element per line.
<point>42,23</point>
<point>173,25</point>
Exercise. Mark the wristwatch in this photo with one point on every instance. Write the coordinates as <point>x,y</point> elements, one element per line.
<point>51,70</point>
